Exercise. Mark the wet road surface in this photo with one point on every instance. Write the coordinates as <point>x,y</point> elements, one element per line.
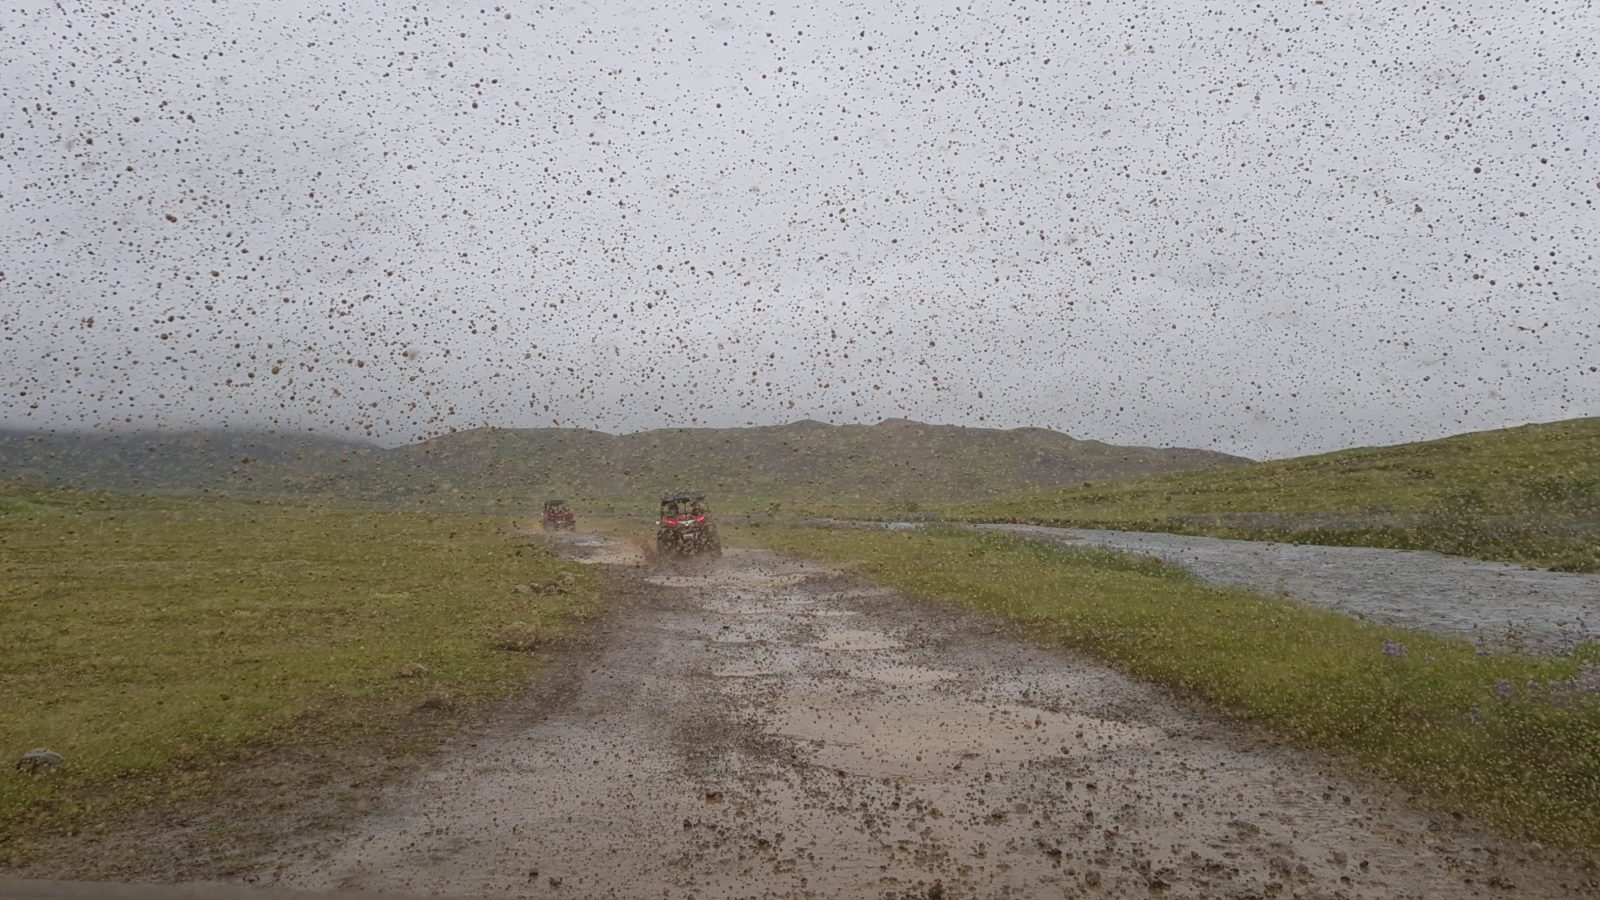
<point>757,726</point>
<point>1492,604</point>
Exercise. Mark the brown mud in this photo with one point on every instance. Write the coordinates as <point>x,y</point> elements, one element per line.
<point>756,726</point>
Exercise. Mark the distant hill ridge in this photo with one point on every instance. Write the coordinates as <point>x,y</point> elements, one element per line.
<point>895,460</point>
<point>162,460</point>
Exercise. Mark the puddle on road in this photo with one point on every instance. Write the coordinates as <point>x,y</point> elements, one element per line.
<point>902,675</point>
<point>925,737</point>
<point>856,639</point>
<point>721,580</point>
<point>743,571</point>
<point>762,604</point>
<point>749,671</point>
<point>597,550</point>
<point>751,633</point>
<point>767,604</point>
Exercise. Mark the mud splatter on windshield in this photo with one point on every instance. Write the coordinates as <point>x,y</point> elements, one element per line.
<point>916,450</point>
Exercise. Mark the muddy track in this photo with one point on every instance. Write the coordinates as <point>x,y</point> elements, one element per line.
<point>757,726</point>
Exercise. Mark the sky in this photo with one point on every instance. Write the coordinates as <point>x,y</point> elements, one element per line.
<point>1266,229</point>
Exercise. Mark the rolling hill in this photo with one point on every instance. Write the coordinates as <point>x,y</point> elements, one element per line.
<point>1529,494</point>
<point>894,466</point>
<point>163,460</point>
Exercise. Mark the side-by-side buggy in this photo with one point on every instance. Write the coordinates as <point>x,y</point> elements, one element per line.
<point>685,526</point>
<point>557,516</point>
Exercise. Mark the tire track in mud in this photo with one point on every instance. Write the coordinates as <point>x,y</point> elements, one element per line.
<point>757,726</point>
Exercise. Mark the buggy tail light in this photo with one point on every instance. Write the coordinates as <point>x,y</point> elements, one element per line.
<point>672,521</point>
<point>699,518</point>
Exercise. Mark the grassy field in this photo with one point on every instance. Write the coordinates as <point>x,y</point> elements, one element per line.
<point>1528,495</point>
<point>1513,739</point>
<point>144,637</point>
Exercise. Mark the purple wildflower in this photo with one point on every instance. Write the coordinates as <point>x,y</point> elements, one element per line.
<point>1393,650</point>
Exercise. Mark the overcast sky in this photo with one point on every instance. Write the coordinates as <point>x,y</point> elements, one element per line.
<point>1261,228</point>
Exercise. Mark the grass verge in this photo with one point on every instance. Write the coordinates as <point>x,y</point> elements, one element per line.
<point>1512,739</point>
<point>144,638</point>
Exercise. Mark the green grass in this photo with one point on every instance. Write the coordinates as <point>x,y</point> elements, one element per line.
<point>1430,719</point>
<point>1528,495</point>
<point>144,636</point>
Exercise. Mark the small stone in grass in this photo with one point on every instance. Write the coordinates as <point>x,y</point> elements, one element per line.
<point>39,759</point>
<point>520,637</point>
<point>413,670</point>
<point>439,702</point>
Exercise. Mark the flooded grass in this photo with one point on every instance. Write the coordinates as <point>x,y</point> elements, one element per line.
<point>1512,739</point>
<point>142,637</point>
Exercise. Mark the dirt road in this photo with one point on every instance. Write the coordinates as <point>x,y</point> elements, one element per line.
<point>1492,604</point>
<point>763,727</point>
